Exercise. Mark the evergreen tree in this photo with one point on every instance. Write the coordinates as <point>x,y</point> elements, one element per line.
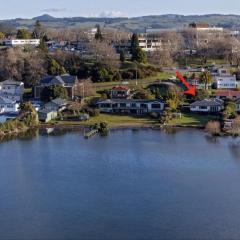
<point>98,35</point>
<point>53,92</point>
<point>37,31</point>
<point>23,34</point>
<point>122,56</point>
<point>54,68</point>
<point>137,53</point>
<point>42,46</point>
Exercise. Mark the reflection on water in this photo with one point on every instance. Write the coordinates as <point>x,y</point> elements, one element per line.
<point>211,139</point>
<point>234,147</point>
<point>28,135</point>
<point>131,185</point>
<point>34,133</point>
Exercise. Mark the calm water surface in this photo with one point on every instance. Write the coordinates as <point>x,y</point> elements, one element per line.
<point>131,185</point>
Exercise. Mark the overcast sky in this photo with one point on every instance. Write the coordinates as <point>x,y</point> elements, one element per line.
<point>114,8</point>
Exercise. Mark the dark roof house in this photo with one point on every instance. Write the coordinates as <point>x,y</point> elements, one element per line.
<point>207,106</point>
<point>69,82</point>
<point>57,104</point>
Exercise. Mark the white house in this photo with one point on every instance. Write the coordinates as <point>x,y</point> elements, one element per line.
<point>224,80</point>
<point>21,42</point>
<point>12,90</point>
<point>8,106</point>
<point>207,106</point>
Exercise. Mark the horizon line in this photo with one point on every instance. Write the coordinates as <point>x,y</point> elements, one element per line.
<point>128,17</point>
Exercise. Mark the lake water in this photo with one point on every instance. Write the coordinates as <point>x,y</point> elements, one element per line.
<point>130,185</point>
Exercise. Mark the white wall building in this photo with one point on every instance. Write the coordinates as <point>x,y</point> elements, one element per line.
<point>21,42</point>
<point>224,80</point>
<point>12,90</point>
<point>8,106</point>
<point>150,43</point>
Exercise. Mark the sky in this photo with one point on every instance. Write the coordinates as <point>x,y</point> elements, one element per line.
<point>114,8</point>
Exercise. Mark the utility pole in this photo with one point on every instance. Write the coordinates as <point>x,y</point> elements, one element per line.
<point>136,75</point>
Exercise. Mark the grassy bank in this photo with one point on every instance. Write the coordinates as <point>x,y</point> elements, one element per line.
<point>189,119</point>
<point>132,83</point>
<point>112,120</point>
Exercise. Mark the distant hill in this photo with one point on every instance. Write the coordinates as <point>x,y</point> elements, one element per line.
<point>44,17</point>
<point>136,24</point>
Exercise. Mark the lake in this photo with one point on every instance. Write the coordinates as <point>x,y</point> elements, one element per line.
<point>130,185</point>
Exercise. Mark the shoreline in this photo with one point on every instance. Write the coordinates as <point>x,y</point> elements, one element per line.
<point>84,127</point>
<point>118,126</point>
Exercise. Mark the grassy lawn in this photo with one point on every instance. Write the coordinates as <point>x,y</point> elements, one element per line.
<point>192,119</point>
<point>112,120</point>
<point>132,83</point>
<point>196,61</point>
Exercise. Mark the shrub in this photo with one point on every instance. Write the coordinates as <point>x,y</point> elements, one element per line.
<point>52,92</point>
<point>213,127</point>
<point>93,112</point>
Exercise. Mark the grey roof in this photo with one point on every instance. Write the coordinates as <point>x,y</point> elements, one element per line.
<point>130,101</point>
<point>63,79</point>
<point>46,111</point>
<point>208,102</point>
<point>12,82</point>
<point>59,101</point>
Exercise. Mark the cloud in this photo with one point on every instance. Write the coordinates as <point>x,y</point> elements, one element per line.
<point>54,10</point>
<point>109,14</point>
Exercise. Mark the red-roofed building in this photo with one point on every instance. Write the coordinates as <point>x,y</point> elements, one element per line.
<point>120,92</point>
<point>227,94</point>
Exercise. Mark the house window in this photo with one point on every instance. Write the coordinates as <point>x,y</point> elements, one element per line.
<point>143,105</point>
<point>156,106</point>
<point>122,105</point>
<point>133,105</point>
<point>203,107</point>
<point>105,105</point>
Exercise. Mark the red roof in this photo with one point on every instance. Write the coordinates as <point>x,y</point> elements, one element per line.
<point>121,88</point>
<point>228,93</point>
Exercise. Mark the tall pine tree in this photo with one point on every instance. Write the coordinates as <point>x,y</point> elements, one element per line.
<point>138,54</point>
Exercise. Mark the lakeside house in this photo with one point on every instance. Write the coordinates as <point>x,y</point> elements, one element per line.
<point>56,105</point>
<point>131,106</point>
<point>67,81</point>
<point>8,106</point>
<point>12,90</point>
<point>45,115</point>
<point>207,106</point>
<point>120,92</point>
<point>51,109</point>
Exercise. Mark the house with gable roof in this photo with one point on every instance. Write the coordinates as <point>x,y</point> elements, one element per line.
<point>207,106</point>
<point>12,90</point>
<point>67,81</point>
<point>120,92</point>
